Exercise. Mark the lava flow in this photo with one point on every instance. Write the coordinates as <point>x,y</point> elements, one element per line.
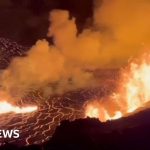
<point>132,93</point>
<point>6,107</point>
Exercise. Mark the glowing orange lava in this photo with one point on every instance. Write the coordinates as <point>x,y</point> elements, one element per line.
<point>133,93</point>
<point>6,107</point>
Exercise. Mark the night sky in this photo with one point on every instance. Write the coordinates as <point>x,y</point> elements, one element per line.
<point>25,21</point>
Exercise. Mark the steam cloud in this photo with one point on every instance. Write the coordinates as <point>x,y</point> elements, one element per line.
<point>120,31</point>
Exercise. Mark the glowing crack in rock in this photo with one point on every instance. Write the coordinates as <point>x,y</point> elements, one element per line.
<point>6,107</point>
<point>133,93</point>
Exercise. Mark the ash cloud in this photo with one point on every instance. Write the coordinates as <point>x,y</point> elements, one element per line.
<point>125,28</point>
<point>51,68</point>
<point>120,31</point>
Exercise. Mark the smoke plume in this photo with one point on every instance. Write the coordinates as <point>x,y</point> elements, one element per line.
<point>124,26</point>
<point>120,31</point>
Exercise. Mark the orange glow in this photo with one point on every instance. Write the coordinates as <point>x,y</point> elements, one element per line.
<point>6,107</point>
<point>92,111</point>
<point>133,93</point>
<point>95,110</point>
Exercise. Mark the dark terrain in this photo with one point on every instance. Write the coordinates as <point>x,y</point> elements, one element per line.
<point>131,133</point>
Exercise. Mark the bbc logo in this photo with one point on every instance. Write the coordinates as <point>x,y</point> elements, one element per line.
<point>9,134</point>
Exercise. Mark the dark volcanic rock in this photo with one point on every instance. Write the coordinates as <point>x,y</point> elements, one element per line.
<point>8,50</point>
<point>132,132</point>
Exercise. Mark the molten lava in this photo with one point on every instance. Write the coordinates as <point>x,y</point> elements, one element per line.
<point>6,107</point>
<point>133,93</point>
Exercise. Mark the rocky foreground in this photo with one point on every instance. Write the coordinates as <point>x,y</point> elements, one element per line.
<point>129,133</point>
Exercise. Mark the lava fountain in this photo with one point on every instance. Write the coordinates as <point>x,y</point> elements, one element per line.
<point>6,107</point>
<point>132,94</point>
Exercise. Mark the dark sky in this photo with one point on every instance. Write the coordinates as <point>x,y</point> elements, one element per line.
<point>25,21</point>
